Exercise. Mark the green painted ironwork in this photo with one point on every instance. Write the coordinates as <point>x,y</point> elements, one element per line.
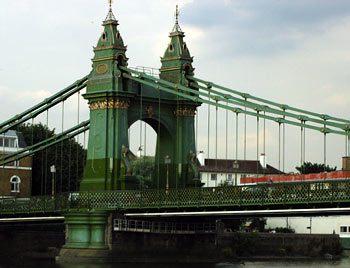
<point>291,194</point>
<point>44,105</point>
<point>214,100</point>
<point>116,103</point>
<point>30,150</point>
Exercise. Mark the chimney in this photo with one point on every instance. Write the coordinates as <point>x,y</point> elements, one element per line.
<point>263,160</point>
<point>200,158</point>
<point>346,163</point>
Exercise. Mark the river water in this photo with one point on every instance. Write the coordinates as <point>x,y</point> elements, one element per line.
<point>344,263</point>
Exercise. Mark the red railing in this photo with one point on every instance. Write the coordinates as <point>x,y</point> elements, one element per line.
<point>297,177</point>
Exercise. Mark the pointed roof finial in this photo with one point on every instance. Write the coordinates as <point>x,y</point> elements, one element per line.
<point>177,28</point>
<point>177,13</point>
<point>110,15</point>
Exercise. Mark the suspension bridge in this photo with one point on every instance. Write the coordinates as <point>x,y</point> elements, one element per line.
<point>118,96</point>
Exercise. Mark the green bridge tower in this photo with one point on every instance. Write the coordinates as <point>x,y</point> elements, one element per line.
<point>115,104</point>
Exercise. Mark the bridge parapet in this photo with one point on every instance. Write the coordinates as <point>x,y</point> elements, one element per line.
<point>321,193</point>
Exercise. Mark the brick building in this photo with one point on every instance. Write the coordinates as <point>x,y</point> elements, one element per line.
<point>15,177</point>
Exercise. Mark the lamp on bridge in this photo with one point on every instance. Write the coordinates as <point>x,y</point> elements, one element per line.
<point>53,171</point>
<point>235,167</point>
<point>167,161</point>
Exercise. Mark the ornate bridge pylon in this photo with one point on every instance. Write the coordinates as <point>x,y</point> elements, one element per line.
<point>116,103</point>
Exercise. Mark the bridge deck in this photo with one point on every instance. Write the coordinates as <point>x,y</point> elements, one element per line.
<point>326,193</point>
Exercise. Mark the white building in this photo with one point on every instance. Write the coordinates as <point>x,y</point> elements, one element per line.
<point>315,225</point>
<point>215,172</point>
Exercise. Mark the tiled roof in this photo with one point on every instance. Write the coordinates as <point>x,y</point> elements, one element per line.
<point>244,166</point>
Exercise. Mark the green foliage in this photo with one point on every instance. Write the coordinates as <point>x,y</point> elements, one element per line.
<point>69,158</point>
<point>244,244</point>
<point>257,224</point>
<point>142,168</point>
<point>309,167</point>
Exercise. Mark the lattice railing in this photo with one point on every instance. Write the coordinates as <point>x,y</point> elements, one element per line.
<point>274,194</point>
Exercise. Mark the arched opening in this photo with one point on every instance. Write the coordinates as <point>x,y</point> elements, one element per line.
<point>15,181</point>
<point>154,148</point>
<point>142,143</point>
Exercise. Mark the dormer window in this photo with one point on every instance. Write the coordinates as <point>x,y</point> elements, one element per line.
<point>185,47</point>
<point>8,142</point>
<point>171,47</point>
<point>118,36</point>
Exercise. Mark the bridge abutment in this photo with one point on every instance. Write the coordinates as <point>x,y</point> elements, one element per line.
<point>86,230</point>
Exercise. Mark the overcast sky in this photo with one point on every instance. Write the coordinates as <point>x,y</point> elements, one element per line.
<point>293,51</point>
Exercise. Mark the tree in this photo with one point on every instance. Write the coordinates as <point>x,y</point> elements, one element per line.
<point>69,158</point>
<point>309,167</point>
<point>143,168</point>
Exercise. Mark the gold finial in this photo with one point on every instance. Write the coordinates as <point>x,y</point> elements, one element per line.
<point>177,13</point>
<point>110,4</point>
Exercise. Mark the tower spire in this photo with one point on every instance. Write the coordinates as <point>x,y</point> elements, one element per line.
<point>110,15</point>
<point>177,28</point>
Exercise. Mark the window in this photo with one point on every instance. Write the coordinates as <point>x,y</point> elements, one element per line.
<point>104,36</point>
<point>8,142</point>
<point>15,181</point>
<point>229,178</point>
<point>213,177</point>
<point>343,229</point>
<point>171,47</point>
<point>16,163</point>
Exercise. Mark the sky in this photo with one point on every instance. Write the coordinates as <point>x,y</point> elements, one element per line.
<point>290,51</point>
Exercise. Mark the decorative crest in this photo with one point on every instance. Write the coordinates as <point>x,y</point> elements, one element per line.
<point>177,28</point>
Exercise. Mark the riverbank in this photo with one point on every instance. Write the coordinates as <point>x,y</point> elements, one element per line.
<point>44,241</point>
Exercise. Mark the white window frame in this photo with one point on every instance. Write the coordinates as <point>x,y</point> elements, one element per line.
<point>15,182</point>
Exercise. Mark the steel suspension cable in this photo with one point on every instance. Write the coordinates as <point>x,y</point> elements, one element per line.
<point>216,145</point>
<point>245,131</point>
<point>53,98</point>
<point>46,152</point>
<point>208,137</point>
<point>77,146</point>
<point>196,98</point>
<point>279,151</point>
<point>69,163</point>
<point>61,168</point>
<point>32,142</point>
<point>256,106</point>
<point>3,167</point>
<point>284,143</point>
<point>226,135</point>
<point>325,152</point>
<point>236,168</point>
<point>346,146</point>
<point>301,147</point>
<point>264,147</point>
<point>304,141</point>
<point>257,148</point>
<point>322,116</point>
<point>158,147</point>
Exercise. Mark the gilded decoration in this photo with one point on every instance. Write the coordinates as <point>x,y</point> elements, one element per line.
<point>185,112</point>
<point>150,111</point>
<point>111,104</point>
<point>102,68</point>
